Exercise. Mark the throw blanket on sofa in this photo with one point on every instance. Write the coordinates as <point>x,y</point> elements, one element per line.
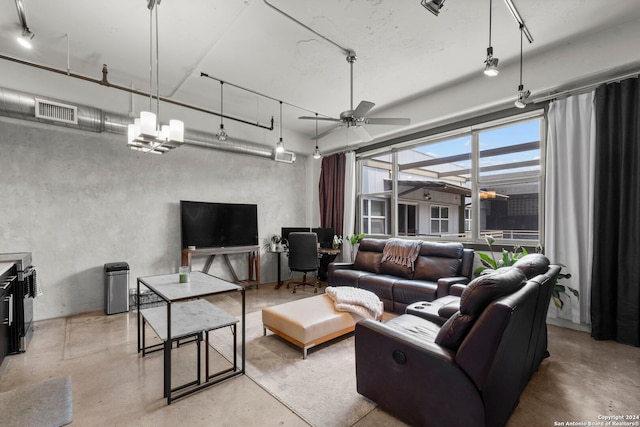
<point>402,252</point>
<point>355,300</point>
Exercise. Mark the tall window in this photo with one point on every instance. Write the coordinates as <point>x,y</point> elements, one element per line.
<point>480,180</point>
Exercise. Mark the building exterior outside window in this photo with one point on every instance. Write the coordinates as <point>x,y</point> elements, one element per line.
<point>483,180</point>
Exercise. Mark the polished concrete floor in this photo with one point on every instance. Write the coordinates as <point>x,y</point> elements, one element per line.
<point>583,380</point>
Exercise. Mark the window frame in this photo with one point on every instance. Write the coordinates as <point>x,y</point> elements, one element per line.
<point>473,236</point>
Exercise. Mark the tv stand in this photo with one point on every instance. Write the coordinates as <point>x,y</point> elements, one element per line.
<point>253,253</point>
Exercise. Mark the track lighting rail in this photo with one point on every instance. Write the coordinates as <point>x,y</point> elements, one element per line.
<point>105,82</point>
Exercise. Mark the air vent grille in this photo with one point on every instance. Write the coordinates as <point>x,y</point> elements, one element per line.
<point>57,112</point>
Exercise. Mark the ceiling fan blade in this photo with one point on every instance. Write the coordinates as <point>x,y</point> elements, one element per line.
<point>363,133</point>
<point>387,121</point>
<point>328,119</point>
<point>327,132</point>
<point>363,108</point>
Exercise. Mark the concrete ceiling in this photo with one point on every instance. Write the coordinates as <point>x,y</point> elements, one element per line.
<point>404,52</point>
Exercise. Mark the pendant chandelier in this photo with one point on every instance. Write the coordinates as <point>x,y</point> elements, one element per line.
<point>146,133</point>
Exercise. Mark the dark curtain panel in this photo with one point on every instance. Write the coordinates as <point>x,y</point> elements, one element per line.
<point>331,192</point>
<point>615,296</point>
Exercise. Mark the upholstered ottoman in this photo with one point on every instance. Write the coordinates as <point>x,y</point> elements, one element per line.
<point>308,322</point>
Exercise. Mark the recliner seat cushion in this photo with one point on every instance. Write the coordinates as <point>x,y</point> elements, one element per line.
<point>475,298</point>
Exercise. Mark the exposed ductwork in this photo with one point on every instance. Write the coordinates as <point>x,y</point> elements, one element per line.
<point>22,105</point>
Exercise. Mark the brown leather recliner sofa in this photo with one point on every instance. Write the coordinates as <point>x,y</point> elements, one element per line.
<point>437,267</point>
<point>471,370</point>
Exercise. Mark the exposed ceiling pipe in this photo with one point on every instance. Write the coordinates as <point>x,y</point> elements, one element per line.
<point>105,82</point>
<point>22,105</point>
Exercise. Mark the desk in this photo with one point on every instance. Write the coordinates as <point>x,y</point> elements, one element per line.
<point>327,255</point>
<point>204,318</point>
<point>253,252</point>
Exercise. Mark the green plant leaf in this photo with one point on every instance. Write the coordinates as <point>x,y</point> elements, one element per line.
<point>557,302</point>
<point>487,261</point>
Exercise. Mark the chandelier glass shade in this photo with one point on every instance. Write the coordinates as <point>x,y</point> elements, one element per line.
<point>146,134</point>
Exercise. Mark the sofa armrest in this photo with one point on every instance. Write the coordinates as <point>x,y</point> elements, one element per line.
<point>414,378</point>
<point>333,266</point>
<point>444,284</point>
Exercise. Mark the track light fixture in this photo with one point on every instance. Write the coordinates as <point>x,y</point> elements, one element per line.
<point>222,134</point>
<point>522,94</point>
<point>24,39</point>
<point>280,144</point>
<point>519,20</point>
<point>316,153</point>
<point>491,63</point>
<point>433,6</point>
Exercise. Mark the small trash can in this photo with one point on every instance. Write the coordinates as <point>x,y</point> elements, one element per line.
<point>116,287</point>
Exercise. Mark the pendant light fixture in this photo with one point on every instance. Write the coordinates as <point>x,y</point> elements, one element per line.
<point>316,153</point>
<point>222,134</point>
<point>146,134</point>
<point>280,144</point>
<point>522,94</point>
<point>491,63</point>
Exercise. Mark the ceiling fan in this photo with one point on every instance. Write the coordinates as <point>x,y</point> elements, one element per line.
<point>355,118</point>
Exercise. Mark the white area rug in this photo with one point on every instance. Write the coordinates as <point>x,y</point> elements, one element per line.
<point>45,404</point>
<point>320,389</point>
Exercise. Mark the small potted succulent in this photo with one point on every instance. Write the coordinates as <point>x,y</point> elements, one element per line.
<point>337,241</point>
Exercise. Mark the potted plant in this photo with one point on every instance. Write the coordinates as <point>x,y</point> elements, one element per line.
<point>355,241</point>
<point>337,241</point>
<point>561,289</point>
<point>489,263</point>
<point>273,243</point>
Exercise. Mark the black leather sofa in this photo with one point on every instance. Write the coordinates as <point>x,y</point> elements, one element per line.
<point>471,370</point>
<point>437,267</point>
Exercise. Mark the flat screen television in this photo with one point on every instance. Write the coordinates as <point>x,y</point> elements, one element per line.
<point>217,225</point>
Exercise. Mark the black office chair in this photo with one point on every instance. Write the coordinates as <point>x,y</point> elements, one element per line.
<point>303,257</point>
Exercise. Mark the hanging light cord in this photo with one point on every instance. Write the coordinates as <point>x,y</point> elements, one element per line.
<point>490,9</point>
<point>280,120</point>
<point>520,55</point>
<point>316,131</point>
<point>221,104</point>
<point>157,71</point>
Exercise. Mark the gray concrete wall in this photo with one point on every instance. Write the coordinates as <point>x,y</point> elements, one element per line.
<point>78,200</point>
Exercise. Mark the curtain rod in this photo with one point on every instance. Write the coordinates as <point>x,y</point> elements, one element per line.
<point>589,83</point>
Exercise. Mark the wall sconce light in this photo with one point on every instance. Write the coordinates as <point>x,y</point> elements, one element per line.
<point>427,195</point>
